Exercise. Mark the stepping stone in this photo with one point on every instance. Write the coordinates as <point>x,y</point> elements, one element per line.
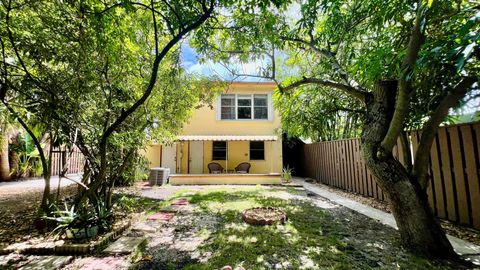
<point>48,262</point>
<point>124,245</point>
<point>162,216</point>
<point>182,201</point>
<point>104,263</point>
<point>169,209</point>
<point>143,227</point>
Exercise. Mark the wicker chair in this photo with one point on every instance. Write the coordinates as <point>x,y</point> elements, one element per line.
<point>243,167</point>
<point>214,167</point>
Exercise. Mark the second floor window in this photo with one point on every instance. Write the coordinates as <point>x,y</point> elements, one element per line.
<point>228,107</point>
<point>244,107</point>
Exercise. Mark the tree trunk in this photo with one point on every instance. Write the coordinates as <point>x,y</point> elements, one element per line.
<point>419,230</point>
<point>47,173</point>
<point>4,160</point>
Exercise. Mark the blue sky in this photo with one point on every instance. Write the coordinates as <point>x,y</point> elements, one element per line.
<point>190,62</point>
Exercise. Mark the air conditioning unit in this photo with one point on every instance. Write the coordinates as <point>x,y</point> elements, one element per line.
<point>158,176</point>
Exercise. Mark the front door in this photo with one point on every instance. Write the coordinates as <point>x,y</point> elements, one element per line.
<point>169,157</point>
<point>196,157</point>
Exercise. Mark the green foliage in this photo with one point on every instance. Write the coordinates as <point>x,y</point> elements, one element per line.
<point>318,113</point>
<point>71,218</point>
<point>27,163</point>
<point>133,204</point>
<point>103,76</point>
<point>354,43</point>
<point>287,174</point>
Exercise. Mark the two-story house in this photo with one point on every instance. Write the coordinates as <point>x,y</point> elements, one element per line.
<point>241,128</point>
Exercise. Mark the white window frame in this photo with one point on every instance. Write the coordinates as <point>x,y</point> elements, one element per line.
<point>219,107</point>
<point>270,110</point>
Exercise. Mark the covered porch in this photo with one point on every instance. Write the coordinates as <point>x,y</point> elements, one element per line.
<point>189,159</point>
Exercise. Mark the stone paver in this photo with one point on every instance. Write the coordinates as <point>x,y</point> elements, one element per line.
<point>124,245</point>
<point>47,262</point>
<point>103,263</point>
<point>144,227</point>
<point>162,216</point>
<point>181,201</point>
<point>469,251</point>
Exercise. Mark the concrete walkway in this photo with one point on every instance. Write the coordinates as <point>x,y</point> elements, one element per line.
<point>467,250</point>
<point>36,184</point>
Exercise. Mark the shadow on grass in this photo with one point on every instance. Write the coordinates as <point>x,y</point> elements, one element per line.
<point>312,238</point>
<point>304,241</point>
<point>135,204</point>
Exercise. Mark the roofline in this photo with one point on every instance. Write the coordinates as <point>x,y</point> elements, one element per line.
<point>252,83</point>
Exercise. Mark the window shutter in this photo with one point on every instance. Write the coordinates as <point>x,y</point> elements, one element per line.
<point>218,108</point>
<point>270,108</point>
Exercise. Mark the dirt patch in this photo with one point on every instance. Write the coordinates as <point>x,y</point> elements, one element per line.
<point>18,212</point>
<point>176,242</point>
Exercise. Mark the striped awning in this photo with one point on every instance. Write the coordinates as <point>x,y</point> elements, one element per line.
<point>227,138</point>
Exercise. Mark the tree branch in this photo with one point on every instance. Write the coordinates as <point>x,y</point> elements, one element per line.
<point>417,38</point>
<point>420,167</point>
<point>17,54</point>
<point>325,53</point>
<point>155,30</point>
<point>350,90</point>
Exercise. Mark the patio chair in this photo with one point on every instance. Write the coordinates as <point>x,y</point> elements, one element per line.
<point>243,167</point>
<point>214,167</point>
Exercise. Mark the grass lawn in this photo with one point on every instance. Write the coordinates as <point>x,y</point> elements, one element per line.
<point>317,235</point>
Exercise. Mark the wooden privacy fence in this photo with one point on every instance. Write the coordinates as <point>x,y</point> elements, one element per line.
<point>454,189</point>
<point>74,160</point>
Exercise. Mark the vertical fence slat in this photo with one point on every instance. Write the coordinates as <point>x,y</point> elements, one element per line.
<point>471,170</point>
<point>437,180</point>
<point>333,165</point>
<point>459,173</point>
<point>356,166</point>
<point>447,174</point>
<point>350,164</point>
<point>318,162</point>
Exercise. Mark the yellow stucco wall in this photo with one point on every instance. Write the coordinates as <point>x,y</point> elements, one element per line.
<point>204,122</point>
<point>152,153</point>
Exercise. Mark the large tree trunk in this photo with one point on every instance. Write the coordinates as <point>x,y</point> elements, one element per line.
<point>419,230</point>
<point>4,160</point>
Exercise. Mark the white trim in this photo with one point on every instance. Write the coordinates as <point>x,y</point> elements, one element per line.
<point>227,138</point>
<point>219,108</point>
<point>270,107</point>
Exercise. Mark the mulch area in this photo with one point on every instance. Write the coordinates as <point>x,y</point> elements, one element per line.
<point>462,232</point>
<point>18,212</point>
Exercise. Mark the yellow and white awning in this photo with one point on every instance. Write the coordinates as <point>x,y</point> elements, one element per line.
<point>227,138</point>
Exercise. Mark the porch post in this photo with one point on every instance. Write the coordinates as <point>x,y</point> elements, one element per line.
<point>271,157</point>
